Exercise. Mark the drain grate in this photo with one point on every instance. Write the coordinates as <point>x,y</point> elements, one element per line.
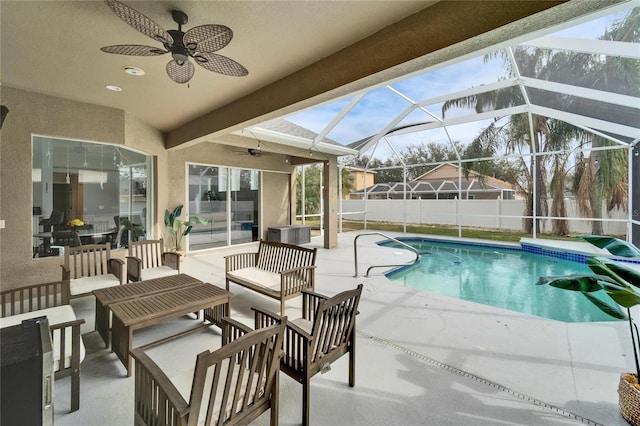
<point>484,381</point>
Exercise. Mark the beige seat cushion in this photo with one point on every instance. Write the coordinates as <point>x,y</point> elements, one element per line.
<point>256,277</point>
<point>56,315</point>
<point>88,284</point>
<point>158,272</point>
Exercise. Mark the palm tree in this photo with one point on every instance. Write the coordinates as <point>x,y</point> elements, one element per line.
<point>606,178</point>
<point>518,134</point>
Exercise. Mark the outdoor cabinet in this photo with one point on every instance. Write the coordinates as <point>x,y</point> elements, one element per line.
<point>294,234</point>
<point>26,368</point>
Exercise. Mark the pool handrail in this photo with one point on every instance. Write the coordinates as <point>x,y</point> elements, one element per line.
<point>355,253</point>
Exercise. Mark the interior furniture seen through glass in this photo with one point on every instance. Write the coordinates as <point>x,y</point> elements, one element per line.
<point>86,192</point>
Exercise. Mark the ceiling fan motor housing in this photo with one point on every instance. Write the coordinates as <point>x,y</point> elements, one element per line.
<point>178,50</point>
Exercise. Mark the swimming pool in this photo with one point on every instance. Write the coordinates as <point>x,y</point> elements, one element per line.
<point>496,276</point>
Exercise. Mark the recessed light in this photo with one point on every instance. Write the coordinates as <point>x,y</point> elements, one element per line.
<point>134,71</point>
<point>113,88</point>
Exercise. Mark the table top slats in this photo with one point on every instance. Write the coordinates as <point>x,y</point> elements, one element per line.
<point>185,299</point>
<point>142,288</point>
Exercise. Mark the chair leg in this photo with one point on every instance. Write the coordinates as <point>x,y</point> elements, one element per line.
<point>352,361</point>
<point>75,390</point>
<point>275,401</point>
<point>306,388</point>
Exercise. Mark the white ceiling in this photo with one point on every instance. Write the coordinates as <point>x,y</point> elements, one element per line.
<point>53,47</point>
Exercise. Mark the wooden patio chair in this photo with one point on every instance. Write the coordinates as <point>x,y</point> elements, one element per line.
<point>147,259</point>
<point>325,332</point>
<point>230,386</point>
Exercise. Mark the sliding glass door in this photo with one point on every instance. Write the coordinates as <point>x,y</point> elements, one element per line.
<point>228,199</point>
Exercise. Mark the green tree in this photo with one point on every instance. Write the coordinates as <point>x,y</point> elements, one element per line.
<point>312,180</point>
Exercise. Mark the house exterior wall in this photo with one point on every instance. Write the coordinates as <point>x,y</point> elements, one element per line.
<point>31,113</point>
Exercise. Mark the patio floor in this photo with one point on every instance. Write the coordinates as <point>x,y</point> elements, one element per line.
<point>421,358</point>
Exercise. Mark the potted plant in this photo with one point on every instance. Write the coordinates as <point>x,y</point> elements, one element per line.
<point>177,229</point>
<point>622,286</point>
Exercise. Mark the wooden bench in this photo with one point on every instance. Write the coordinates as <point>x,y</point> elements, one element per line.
<point>230,386</point>
<point>90,267</point>
<point>277,270</point>
<point>147,260</point>
<point>50,300</point>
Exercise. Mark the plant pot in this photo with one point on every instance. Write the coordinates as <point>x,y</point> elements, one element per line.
<point>629,399</point>
<point>181,253</point>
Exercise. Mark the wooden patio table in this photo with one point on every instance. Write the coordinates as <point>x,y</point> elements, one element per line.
<point>144,311</point>
<point>107,296</point>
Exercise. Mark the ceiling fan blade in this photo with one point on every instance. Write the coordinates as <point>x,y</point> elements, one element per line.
<point>180,73</point>
<point>220,64</point>
<point>208,38</point>
<point>133,50</point>
<point>139,21</point>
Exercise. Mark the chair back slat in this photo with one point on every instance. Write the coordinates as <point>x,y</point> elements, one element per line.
<point>277,257</point>
<point>33,298</point>
<point>236,379</point>
<point>148,251</point>
<point>87,261</point>
<point>333,323</point>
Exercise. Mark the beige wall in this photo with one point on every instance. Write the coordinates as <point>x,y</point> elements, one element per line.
<point>276,192</point>
<point>32,113</point>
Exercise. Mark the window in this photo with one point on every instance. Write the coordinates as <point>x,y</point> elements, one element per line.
<point>85,192</point>
<point>228,199</point>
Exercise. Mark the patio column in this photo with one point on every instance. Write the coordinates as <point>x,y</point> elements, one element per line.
<point>330,198</point>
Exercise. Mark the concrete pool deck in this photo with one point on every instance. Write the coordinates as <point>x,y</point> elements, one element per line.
<point>421,358</point>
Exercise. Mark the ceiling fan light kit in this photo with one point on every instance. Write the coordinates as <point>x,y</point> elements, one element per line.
<point>198,43</point>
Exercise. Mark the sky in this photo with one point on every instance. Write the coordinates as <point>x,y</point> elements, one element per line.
<point>378,107</point>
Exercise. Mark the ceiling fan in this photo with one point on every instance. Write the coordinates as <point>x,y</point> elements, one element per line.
<point>198,43</point>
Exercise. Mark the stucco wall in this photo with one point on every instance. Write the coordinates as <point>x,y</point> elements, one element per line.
<point>275,195</point>
<point>32,113</point>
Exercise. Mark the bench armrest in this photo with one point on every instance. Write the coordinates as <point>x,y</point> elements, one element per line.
<point>310,302</point>
<point>232,330</point>
<point>171,259</point>
<point>115,267</point>
<point>293,281</point>
<point>63,328</point>
<point>167,401</point>
<point>237,261</point>
<point>264,318</point>
<point>66,273</point>
<point>134,268</point>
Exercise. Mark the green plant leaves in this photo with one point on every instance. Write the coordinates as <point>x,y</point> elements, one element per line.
<point>619,282</point>
<point>176,228</point>
<point>611,309</point>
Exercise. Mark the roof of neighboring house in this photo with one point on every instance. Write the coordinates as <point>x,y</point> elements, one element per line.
<point>450,171</point>
<point>448,182</point>
<point>435,186</point>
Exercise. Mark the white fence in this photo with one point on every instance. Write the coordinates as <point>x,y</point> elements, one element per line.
<point>492,214</point>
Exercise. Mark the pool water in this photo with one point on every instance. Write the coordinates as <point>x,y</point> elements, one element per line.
<point>501,277</point>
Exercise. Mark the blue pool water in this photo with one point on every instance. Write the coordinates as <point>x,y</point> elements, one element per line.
<point>495,276</point>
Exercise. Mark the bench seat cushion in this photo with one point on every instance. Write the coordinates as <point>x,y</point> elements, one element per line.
<point>257,278</point>
<point>158,272</point>
<point>86,285</point>
<point>56,315</point>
